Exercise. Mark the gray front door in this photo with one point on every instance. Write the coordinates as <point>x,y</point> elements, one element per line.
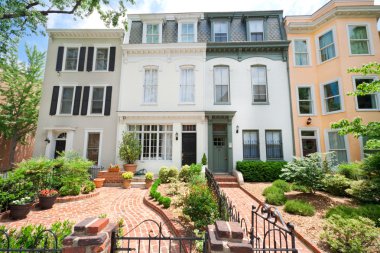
<point>220,156</point>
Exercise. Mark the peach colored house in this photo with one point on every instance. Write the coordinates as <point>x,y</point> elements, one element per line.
<point>340,35</point>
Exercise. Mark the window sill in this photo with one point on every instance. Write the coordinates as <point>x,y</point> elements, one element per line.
<point>361,54</point>
<point>334,112</point>
<point>64,115</point>
<point>251,159</point>
<point>222,103</point>
<point>149,104</point>
<point>303,66</point>
<point>331,59</point>
<point>307,115</point>
<point>100,71</point>
<point>368,110</point>
<point>275,159</point>
<point>186,103</point>
<point>68,71</point>
<point>95,115</point>
<point>260,103</point>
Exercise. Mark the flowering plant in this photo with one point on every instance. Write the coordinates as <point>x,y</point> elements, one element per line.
<point>114,166</point>
<point>22,201</point>
<point>48,193</point>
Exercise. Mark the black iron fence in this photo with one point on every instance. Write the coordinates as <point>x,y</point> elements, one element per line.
<point>45,241</point>
<point>158,239</point>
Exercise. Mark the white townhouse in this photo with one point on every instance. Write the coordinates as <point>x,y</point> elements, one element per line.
<point>80,93</point>
<point>214,83</point>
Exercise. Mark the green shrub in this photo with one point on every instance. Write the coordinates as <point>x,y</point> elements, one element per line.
<point>369,211</point>
<point>130,147</point>
<point>336,184</point>
<point>204,159</point>
<point>70,190</point>
<point>371,167</point>
<point>299,207</point>
<point>88,186</point>
<point>39,171</point>
<point>351,235</point>
<point>157,196</point>
<point>277,199</point>
<point>201,206</point>
<point>365,190</point>
<point>351,170</point>
<point>259,171</point>
<point>163,174</point>
<point>166,202</point>
<point>189,171</point>
<point>198,180</point>
<point>299,188</point>
<point>272,190</point>
<point>282,184</point>
<point>173,172</point>
<point>161,199</point>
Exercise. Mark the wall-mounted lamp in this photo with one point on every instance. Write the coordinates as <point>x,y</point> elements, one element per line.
<point>237,129</point>
<point>308,122</point>
<point>176,136</point>
<point>47,140</point>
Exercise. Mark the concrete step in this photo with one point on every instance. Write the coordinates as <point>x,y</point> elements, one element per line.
<point>228,184</point>
<point>137,184</point>
<point>225,178</point>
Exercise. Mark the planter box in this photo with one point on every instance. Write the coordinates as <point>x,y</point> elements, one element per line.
<point>46,202</point>
<point>99,182</point>
<point>20,211</point>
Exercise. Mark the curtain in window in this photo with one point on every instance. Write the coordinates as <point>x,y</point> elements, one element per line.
<point>302,57</point>
<point>250,145</point>
<point>67,100</point>
<point>152,34</point>
<point>274,144</point>
<point>187,86</point>
<point>187,33</point>
<point>93,147</point>
<point>326,45</point>
<point>71,58</point>
<point>259,83</point>
<point>221,80</point>
<point>101,59</point>
<point>97,100</point>
<point>304,99</point>
<point>150,86</point>
<point>358,40</point>
<point>338,145</point>
<point>220,31</point>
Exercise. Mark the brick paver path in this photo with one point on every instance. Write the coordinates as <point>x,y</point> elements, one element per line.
<point>244,202</point>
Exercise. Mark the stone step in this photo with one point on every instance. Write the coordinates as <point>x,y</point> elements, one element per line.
<point>215,244</point>
<point>229,230</point>
<point>229,184</point>
<point>225,178</point>
<point>136,184</point>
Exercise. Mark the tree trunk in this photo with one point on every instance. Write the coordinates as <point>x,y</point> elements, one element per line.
<point>12,152</point>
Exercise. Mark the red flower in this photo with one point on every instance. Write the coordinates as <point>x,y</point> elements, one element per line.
<point>48,193</point>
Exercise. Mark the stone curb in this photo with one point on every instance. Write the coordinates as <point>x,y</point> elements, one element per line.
<point>76,198</point>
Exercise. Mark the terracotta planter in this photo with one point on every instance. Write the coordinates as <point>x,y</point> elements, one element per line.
<point>148,183</point>
<point>99,182</point>
<point>127,183</point>
<point>117,169</point>
<point>130,167</point>
<point>46,202</point>
<point>20,211</point>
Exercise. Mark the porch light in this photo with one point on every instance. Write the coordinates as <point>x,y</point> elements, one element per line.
<point>308,122</point>
<point>47,140</point>
<point>237,129</point>
<point>176,136</point>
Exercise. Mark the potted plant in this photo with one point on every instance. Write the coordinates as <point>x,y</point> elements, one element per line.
<point>148,180</point>
<point>113,168</point>
<point>129,151</point>
<point>99,182</point>
<point>47,198</point>
<point>20,208</point>
<point>127,176</point>
<point>204,163</point>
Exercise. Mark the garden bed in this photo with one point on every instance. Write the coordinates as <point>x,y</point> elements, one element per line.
<point>78,197</point>
<point>309,227</point>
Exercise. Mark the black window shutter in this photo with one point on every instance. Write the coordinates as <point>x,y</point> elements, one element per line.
<point>86,93</point>
<point>107,109</point>
<point>78,93</point>
<point>111,65</point>
<point>82,56</point>
<point>58,66</point>
<point>90,58</point>
<point>54,100</point>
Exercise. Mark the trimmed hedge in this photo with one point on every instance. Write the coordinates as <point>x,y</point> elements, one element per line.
<point>370,211</point>
<point>299,207</point>
<point>259,171</point>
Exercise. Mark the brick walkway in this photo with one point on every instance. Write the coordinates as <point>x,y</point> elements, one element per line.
<point>244,204</point>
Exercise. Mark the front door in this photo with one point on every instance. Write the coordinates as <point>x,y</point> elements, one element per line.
<point>220,156</point>
<point>189,148</point>
<point>60,144</point>
<point>309,146</point>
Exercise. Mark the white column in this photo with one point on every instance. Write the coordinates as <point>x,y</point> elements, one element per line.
<point>177,144</point>
<point>69,140</point>
<point>49,150</point>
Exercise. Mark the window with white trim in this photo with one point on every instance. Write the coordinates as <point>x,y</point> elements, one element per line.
<point>67,100</point>
<point>309,142</point>
<point>273,141</point>
<point>222,84</point>
<point>187,87</point>
<point>220,31</point>
<point>359,40</point>
<point>93,147</point>
<point>150,85</point>
<point>332,97</point>
<point>301,53</point>
<point>71,58</point>
<point>327,46</point>
<point>305,101</point>
<point>337,144</point>
<point>101,58</point>
<point>256,30</point>
<point>97,99</point>
<point>156,141</point>
<point>152,33</point>
<point>365,102</point>
<point>251,147</point>
<point>259,84</point>
<point>187,32</point>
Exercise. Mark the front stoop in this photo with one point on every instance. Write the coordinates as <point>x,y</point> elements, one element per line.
<point>116,179</point>
<point>226,181</point>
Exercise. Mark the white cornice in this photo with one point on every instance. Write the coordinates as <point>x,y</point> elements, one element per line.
<point>159,49</point>
<point>149,17</point>
<point>138,117</point>
<point>86,33</point>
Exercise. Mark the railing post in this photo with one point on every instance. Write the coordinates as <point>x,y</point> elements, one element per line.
<point>205,243</point>
<point>113,241</point>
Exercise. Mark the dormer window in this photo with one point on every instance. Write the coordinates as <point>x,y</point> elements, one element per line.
<point>152,33</point>
<point>187,32</point>
<point>220,31</point>
<point>256,30</point>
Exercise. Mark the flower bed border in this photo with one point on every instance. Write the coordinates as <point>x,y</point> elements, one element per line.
<point>76,198</point>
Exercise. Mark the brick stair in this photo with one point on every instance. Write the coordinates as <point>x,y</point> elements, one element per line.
<point>227,181</point>
<point>115,179</point>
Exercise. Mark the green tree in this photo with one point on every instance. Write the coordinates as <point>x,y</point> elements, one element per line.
<point>20,93</point>
<point>19,18</point>
<point>356,126</point>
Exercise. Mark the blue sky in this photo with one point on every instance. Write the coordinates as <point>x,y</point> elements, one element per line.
<point>290,7</point>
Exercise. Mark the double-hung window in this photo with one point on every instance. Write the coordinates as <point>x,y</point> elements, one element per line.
<point>93,146</point>
<point>187,32</point>
<point>97,100</point>
<point>152,33</point>
<point>259,84</point>
<point>150,86</point>
<point>256,30</point>
<point>101,58</point>
<point>67,99</point>
<point>187,87</point>
<point>305,101</point>
<point>301,52</point>
<point>337,144</point>
<point>273,141</point>
<point>222,84</point>
<point>366,102</point>
<point>332,97</point>
<point>359,41</point>
<point>327,46</point>
<point>220,31</point>
<point>251,148</point>
<point>71,58</point>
